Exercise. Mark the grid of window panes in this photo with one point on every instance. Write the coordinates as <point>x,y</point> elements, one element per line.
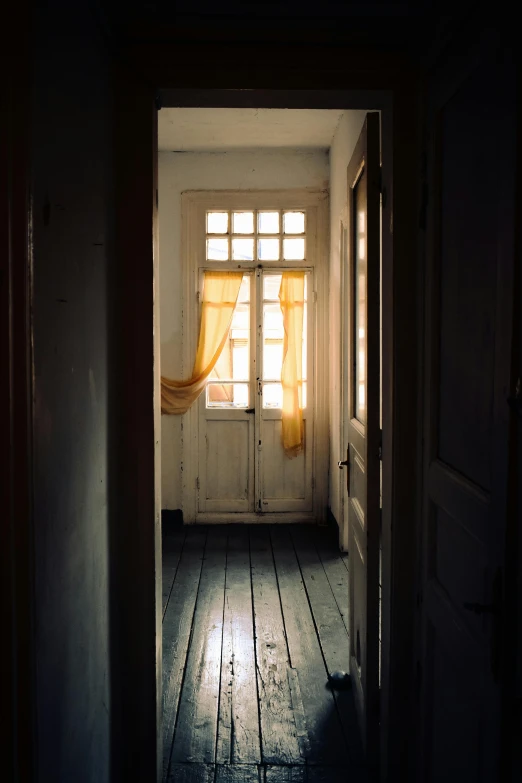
<point>272,348</point>
<point>256,235</point>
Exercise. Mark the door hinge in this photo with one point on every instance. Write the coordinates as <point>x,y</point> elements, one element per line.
<point>197,483</point>
<point>382,190</point>
<point>380,445</point>
<point>197,296</point>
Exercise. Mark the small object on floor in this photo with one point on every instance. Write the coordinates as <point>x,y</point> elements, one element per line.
<point>340,680</point>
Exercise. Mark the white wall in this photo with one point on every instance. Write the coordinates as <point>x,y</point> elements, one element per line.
<point>343,144</point>
<point>252,169</point>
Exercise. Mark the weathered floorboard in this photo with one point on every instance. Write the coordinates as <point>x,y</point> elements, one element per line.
<point>280,741</point>
<point>171,554</point>
<point>196,728</point>
<point>335,565</point>
<point>331,630</point>
<point>325,735</point>
<point>239,773</point>
<point>332,633</point>
<point>238,729</point>
<point>276,774</point>
<point>177,624</point>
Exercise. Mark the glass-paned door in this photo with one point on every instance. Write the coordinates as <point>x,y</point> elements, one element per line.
<point>243,468</point>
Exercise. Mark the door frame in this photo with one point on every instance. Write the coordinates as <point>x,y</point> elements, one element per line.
<point>192,202</point>
<point>373,81</point>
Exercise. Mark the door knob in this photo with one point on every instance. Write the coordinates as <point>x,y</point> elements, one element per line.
<point>342,464</point>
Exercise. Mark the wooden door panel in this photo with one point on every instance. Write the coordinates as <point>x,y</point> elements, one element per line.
<point>460,498</point>
<point>226,465</point>
<point>469,225</point>
<point>468,374</point>
<point>284,481</point>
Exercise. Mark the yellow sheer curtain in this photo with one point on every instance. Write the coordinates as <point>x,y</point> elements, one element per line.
<point>220,292</point>
<point>291,298</point>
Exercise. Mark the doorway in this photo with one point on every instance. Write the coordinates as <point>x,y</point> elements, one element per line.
<point>235,466</point>
<point>130,200</point>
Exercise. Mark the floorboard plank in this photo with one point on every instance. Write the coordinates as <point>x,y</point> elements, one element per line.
<point>275,774</point>
<point>280,740</point>
<point>238,729</point>
<point>172,546</point>
<point>335,565</point>
<point>333,636</point>
<point>191,773</point>
<point>177,624</point>
<point>239,773</point>
<point>196,728</point>
<point>327,743</point>
<point>332,633</point>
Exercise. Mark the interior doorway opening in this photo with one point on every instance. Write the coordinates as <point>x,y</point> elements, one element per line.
<point>204,159</point>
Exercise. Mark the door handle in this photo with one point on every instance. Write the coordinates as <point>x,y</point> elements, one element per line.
<point>345,463</point>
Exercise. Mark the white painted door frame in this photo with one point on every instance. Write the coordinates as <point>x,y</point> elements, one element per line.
<point>195,204</point>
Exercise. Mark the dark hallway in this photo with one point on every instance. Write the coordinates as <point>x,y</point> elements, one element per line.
<point>254,621</point>
<point>254,618</point>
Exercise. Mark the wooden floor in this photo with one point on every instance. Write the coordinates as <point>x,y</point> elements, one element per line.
<point>254,618</point>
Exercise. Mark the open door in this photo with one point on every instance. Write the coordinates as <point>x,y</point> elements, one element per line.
<point>362,460</point>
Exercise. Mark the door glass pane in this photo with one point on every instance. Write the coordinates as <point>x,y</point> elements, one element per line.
<point>272,395</point>
<point>293,222</point>
<point>217,222</point>
<point>268,222</point>
<point>268,249</point>
<point>234,362</point>
<point>227,395</point>
<point>359,285</point>
<point>271,286</point>
<point>242,222</point>
<point>217,249</point>
<point>243,249</point>
<point>294,249</point>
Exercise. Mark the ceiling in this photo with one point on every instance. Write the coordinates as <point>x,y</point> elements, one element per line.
<point>200,130</point>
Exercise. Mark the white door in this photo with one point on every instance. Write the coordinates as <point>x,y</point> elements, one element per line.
<point>243,471</point>
<point>362,418</point>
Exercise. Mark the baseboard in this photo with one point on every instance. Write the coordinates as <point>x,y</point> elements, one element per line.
<point>331,521</point>
<point>171,520</point>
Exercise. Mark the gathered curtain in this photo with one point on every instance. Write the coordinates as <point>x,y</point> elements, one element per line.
<point>291,298</point>
<point>220,293</point>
